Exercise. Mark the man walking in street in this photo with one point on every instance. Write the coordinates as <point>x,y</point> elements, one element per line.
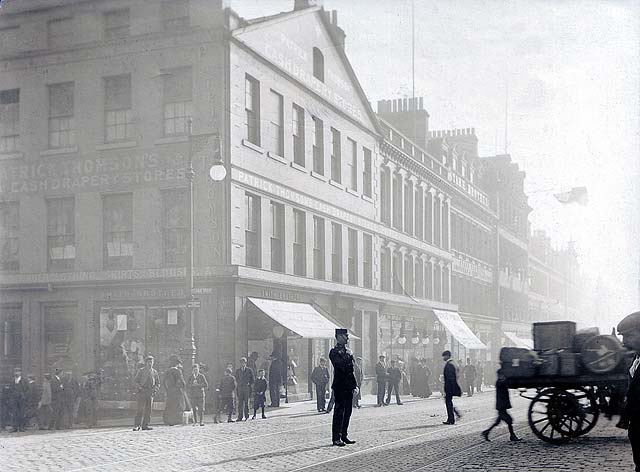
<point>503,403</point>
<point>320,377</point>
<point>358,372</point>
<point>344,387</point>
<point>245,379</point>
<point>469,374</point>
<point>381,379</point>
<point>395,376</point>
<point>629,328</point>
<point>147,384</point>
<point>451,387</point>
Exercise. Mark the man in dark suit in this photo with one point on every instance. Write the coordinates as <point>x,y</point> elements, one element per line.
<point>147,383</point>
<point>320,377</point>
<point>381,379</point>
<point>17,400</point>
<point>245,379</point>
<point>451,387</point>
<point>276,379</point>
<point>57,405</point>
<point>395,376</point>
<point>344,387</point>
<point>469,373</point>
<point>629,328</point>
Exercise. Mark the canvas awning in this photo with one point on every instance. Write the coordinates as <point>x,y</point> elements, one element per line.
<point>518,341</point>
<point>301,318</point>
<point>459,329</point>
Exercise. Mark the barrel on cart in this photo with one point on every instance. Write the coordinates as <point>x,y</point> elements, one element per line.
<point>570,377</point>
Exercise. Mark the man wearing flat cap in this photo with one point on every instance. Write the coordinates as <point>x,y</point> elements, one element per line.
<point>344,387</point>
<point>629,328</point>
<point>147,384</point>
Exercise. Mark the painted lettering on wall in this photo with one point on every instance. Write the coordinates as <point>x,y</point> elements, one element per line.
<point>91,174</point>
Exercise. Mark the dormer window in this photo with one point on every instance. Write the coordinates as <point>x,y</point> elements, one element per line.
<point>318,64</point>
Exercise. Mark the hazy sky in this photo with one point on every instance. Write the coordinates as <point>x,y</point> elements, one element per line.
<point>572,69</point>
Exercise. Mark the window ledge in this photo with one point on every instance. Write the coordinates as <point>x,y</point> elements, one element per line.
<point>118,145</point>
<point>318,176</point>
<point>59,151</point>
<point>5,156</point>
<point>353,192</point>
<point>275,157</point>
<point>172,139</point>
<point>298,167</point>
<point>367,199</point>
<point>336,184</point>
<point>250,145</point>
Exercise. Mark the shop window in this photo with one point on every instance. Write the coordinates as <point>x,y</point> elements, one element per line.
<point>175,227</point>
<point>118,116</point>
<point>177,101</point>
<point>419,213</point>
<point>9,120</point>
<point>385,196</point>
<point>118,231</point>
<point>318,248</point>
<point>10,341</point>
<point>397,272</point>
<point>385,270</point>
<point>277,237</point>
<point>61,244</point>
<point>10,236</point>
<point>397,201</point>
<point>408,206</point>
<point>61,120</point>
<point>63,345</point>
<point>428,217</point>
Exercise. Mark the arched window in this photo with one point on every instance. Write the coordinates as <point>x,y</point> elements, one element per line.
<point>318,65</point>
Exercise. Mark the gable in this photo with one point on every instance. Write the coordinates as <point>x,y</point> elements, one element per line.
<point>287,41</point>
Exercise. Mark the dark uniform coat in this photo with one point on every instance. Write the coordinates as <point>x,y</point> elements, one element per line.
<point>451,386</point>
<point>344,382</point>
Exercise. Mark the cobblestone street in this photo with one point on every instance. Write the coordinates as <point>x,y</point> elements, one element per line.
<point>396,438</point>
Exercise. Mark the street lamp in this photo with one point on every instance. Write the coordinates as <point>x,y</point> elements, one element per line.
<point>217,173</point>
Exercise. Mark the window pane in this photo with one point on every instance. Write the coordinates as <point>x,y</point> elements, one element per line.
<point>61,99</point>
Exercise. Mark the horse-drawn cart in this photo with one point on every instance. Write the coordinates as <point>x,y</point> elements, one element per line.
<point>566,401</point>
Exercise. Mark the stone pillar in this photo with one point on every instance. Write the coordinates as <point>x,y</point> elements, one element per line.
<point>413,253</point>
<point>401,220</point>
<point>440,222</point>
<point>412,210</point>
<point>448,201</point>
<point>441,277</point>
<point>425,259</point>
<point>403,252</point>
<point>392,169</point>
<point>432,261</point>
<point>432,191</point>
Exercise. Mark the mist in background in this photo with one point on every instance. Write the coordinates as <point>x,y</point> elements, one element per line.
<point>564,77</point>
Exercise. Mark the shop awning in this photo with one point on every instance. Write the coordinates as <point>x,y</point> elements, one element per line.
<point>518,341</point>
<point>301,318</point>
<point>459,329</point>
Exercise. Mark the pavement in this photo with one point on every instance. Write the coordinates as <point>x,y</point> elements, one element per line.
<point>295,437</point>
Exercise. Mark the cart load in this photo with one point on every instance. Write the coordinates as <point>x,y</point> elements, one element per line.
<point>570,377</point>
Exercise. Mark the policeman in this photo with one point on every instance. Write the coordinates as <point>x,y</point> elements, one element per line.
<point>344,387</point>
<point>629,328</point>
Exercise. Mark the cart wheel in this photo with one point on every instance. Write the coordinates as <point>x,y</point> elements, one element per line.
<point>547,415</point>
<point>588,411</point>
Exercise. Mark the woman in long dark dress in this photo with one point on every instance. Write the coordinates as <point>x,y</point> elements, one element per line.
<point>174,385</point>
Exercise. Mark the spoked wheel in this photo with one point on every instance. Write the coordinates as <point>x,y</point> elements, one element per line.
<point>557,415</point>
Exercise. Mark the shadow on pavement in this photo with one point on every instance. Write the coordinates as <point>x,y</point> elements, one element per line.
<point>267,455</point>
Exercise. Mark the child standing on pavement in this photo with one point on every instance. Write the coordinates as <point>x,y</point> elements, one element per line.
<point>502,405</point>
<point>260,396</point>
<point>226,389</point>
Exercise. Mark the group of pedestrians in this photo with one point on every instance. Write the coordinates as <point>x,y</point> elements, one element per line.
<point>388,378</point>
<point>58,402</point>
<point>320,378</point>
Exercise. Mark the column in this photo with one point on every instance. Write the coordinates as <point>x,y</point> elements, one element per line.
<point>413,253</point>
<point>425,277</point>
<point>403,253</point>
<point>412,202</point>
<point>441,278</point>
<point>391,247</point>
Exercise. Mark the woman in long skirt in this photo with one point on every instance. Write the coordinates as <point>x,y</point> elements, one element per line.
<point>174,385</point>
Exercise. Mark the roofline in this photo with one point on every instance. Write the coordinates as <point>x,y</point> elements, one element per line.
<point>284,16</point>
